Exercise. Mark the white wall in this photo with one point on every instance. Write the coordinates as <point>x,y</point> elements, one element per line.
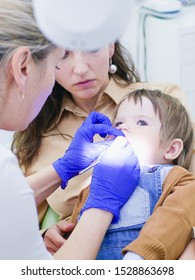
<point>130,36</point>
<point>6,137</point>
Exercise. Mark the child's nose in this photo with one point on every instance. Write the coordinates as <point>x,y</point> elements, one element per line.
<point>121,126</point>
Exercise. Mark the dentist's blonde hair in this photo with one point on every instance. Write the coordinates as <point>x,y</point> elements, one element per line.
<point>18,28</point>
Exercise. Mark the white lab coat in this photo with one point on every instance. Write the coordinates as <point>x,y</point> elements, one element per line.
<point>19,230</point>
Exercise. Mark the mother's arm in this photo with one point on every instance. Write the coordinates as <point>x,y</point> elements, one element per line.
<point>85,240</point>
<point>189,252</point>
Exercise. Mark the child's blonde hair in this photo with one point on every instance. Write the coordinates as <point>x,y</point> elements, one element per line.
<point>175,120</point>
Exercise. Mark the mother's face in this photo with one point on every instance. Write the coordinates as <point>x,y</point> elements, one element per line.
<point>84,74</point>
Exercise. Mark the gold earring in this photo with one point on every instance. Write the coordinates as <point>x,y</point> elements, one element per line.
<point>20,96</point>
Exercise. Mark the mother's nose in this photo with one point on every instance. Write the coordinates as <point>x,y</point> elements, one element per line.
<point>81,66</point>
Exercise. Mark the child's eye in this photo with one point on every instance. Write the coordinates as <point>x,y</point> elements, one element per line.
<point>117,124</point>
<point>141,123</point>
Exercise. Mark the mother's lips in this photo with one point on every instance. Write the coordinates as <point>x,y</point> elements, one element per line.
<point>84,82</point>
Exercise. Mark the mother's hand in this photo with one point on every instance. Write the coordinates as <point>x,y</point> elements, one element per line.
<point>55,236</point>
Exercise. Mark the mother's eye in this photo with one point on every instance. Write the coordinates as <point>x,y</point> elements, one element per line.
<point>94,51</point>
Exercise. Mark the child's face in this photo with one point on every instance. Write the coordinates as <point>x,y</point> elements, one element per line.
<point>141,127</point>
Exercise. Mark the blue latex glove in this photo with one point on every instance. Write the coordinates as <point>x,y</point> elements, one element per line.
<point>114,178</point>
<point>82,151</point>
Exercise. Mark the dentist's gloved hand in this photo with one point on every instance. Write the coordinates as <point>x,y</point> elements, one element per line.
<point>82,151</point>
<point>114,179</point>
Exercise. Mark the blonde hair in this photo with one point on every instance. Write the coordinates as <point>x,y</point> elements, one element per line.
<point>18,28</point>
<point>175,120</point>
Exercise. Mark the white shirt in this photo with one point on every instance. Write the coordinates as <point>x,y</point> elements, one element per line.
<point>19,230</point>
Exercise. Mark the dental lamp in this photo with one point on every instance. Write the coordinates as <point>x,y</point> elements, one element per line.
<point>82,24</point>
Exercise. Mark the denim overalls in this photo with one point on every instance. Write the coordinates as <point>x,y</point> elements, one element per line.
<point>135,212</point>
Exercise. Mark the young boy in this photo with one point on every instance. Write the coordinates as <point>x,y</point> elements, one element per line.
<point>159,130</point>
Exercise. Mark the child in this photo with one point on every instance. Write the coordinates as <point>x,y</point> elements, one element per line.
<point>160,132</point>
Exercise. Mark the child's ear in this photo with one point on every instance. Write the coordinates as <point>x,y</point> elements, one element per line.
<point>174,150</point>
